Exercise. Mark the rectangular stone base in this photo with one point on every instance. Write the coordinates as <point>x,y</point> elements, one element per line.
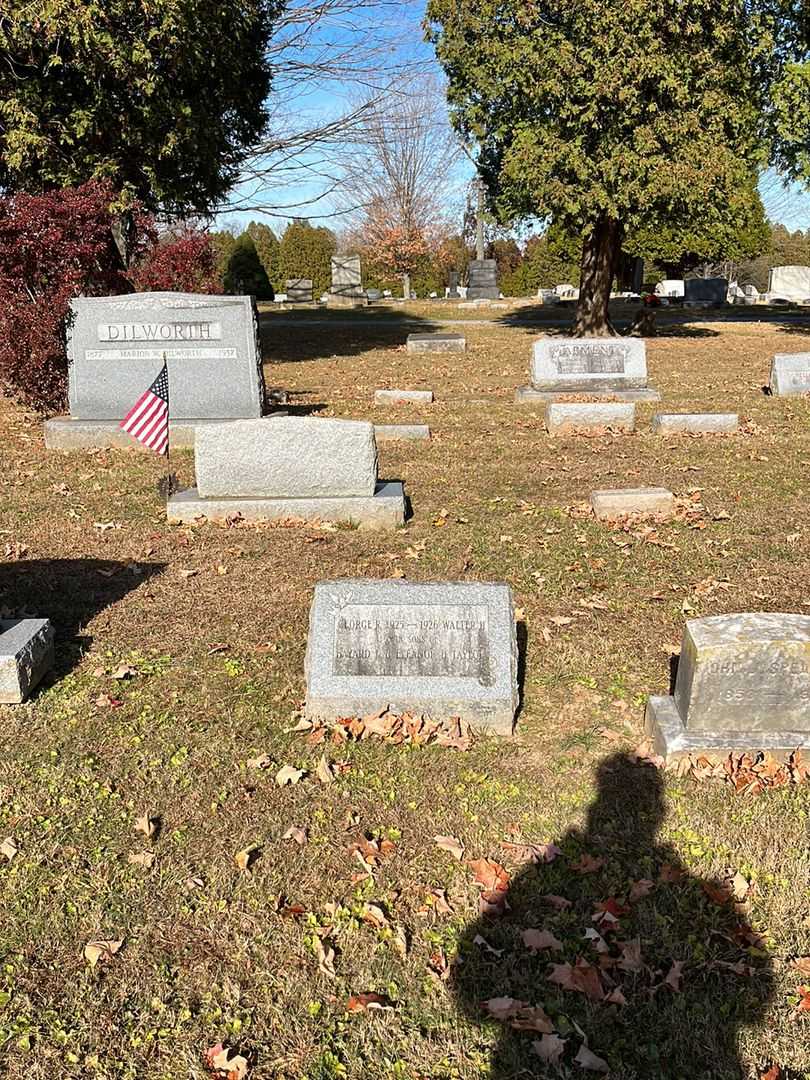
<point>615,503</point>
<point>695,423</point>
<point>529,395</point>
<point>419,343</point>
<point>65,433</point>
<point>672,740</point>
<point>334,301</point>
<point>397,432</point>
<point>385,509</point>
<point>26,654</point>
<point>399,397</point>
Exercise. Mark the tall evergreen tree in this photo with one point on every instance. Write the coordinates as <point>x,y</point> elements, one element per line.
<point>306,252</point>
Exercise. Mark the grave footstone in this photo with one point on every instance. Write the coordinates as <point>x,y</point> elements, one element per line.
<point>790,374</point>
<point>444,650</point>
<point>695,423</point>
<point>483,280</point>
<point>743,684</point>
<point>401,432</point>
<point>116,348</point>
<point>419,343</point>
<point>347,283</point>
<point>612,504</point>
<point>590,417</point>
<point>305,468</point>
<point>299,291</point>
<point>401,397</point>
<point>599,367</point>
<point>26,655</point>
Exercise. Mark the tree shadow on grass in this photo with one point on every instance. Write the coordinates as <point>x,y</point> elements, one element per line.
<point>323,334</point>
<point>649,969</point>
<point>69,592</point>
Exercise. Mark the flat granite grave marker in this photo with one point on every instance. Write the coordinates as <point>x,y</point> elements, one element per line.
<point>398,432</point>
<point>599,416</point>
<point>443,650</point>
<point>313,469</point>
<point>743,684</point>
<point>116,347</point>
<point>26,655</point>
<point>419,343</point>
<point>790,374</point>
<point>695,423</point>
<point>611,504</point>
<point>398,397</point>
<point>599,367</point>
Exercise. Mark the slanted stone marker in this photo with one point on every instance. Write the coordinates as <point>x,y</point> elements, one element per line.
<point>695,423</point>
<point>398,397</point>
<point>398,432</point>
<point>743,684</point>
<point>483,280</point>
<point>790,374</point>
<point>562,418</point>
<point>611,504</point>
<point>347,283</point>
<point>599,367</point>
<point>290,467</point>
<point>26,655</point>
<point>419,343</point>
<point>442,650</point>
<point>116,347</point>
<point>299,291</point>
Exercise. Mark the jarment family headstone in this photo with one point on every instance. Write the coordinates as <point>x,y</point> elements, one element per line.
<point>116,348</point>
<point>743,683</point>
<point>443,650</point>
<point>599,367</point>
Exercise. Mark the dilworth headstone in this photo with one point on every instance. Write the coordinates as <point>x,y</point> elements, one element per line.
<point>790,374</point>
<point>299,291</point>
<point>483,280</point>
<point>116,349</point>
<point>443,650</point>
<point>285,468</point>
<point>743,684</point>
<point>26,655</point>
<point>347,283</point>
<point>598,367</point>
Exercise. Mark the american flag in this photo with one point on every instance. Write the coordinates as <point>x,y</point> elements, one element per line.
<point>148,419</point>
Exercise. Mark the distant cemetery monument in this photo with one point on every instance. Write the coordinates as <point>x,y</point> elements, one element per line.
<point>743,684</point>
<point>292,469</point>
<point>347,283</point>
<point>598,367</point>
<point>705,292</point>
<point>446,650</point>
<point>789,283</point>
<point>116,348</point>
<point>483,280</point>
<point>299,291</point>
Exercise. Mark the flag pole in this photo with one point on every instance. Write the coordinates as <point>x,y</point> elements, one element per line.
<point>168,434</point>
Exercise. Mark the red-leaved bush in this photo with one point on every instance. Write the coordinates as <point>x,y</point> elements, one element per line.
<point>181,262</point>
<point>54,247</point>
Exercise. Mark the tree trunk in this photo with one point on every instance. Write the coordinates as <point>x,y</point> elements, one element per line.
<point>406,286</point>
<point>600,254</point>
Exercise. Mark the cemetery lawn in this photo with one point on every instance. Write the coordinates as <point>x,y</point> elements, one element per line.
<point>181,661</point>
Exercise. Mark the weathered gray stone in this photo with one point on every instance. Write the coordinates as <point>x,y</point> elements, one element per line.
<point>296,457</point>
<point>580,365</point>
<point>347,277</point>
<point>452,285</point>
<point>397,397</point>
<point>622,502</point>
<point>483,280</point>
<point>419,343</point>
<point>743,683</point>
<point>705,290</point>
<point>116,347</point>
<point>590,416</point>
<point>695,423</point>
<point>385,509</point>
<point>790,282</point>
<point>398,432</point>
<point>443,650</point>
<point>299,291</point>
<point>790,374</point>
<point>26,655</point>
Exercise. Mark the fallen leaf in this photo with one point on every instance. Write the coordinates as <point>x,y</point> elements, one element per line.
<point>774,1073</point>
<point>368,1002</point>
<point>219,1059</point>
<point>558,902</point>
<point>188,573</point>
<point>503,1008</point>
<point>640,889</point>
<point>740,887</point>
<point>263,761</point>
<point>9,849</point>
<point>549,1048</point>
<point>105,701</point>
<point>533,1018</point>
<point>802,964</point>
<point>326,959</point>
<point>324,771</point>
<point>482,943</point>
<point>532,853</point>
<point>582,977</point>
<point>147,824</point>
<point>297,834</point>
<point>631,956</point>
<point>101,951</point>
<point>588,864</point>
<point>143,858</point>
<point>289,775</point>
<point>124,671</point>
<point>673,979</point>
<point>245,858</point>
<point>541,939</point>
<point>451,844</point>
<point>670,874</point>
<point>490,875</point>
<point>586,1059</point>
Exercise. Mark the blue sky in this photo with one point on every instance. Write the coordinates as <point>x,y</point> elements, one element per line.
<point>397,26</point>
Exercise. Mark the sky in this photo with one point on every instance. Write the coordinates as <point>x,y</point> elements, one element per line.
<point>392,28</point>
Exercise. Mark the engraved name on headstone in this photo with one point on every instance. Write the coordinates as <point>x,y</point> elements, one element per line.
<point>590,358</point>
<point>571,365</point>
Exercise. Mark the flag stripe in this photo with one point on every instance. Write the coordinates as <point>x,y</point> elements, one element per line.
<point>156,432</point>
<point>145,417</point>
<point>148,419</point>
